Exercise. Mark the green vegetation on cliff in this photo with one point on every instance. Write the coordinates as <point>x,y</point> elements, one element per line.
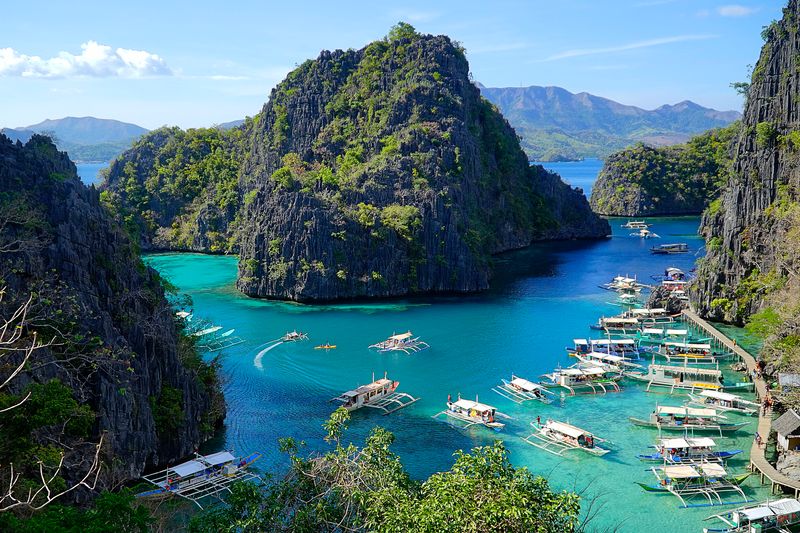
<point>675,180</point>
<point>177,189</point>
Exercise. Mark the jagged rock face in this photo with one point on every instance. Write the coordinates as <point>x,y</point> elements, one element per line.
<point>645,181</point>
<point>177,190</point>
<point>751,239</point>
<point>77,256</point>
<point>382,172</point>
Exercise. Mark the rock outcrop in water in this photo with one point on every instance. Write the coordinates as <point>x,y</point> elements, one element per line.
<point>382,172</point>
<point>676,180</point>
<point>752,239</point>
<point>118,347</point>
<point>179,190</point>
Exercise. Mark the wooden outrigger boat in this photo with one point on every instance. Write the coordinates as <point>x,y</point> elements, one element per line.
<point>777,515</point>
<point>693,419</point>
<point>698,353</point>
<point>623,284</point>
<point>724,401</point>
<point>679,377</point>
<point>205,475</point>
<point>645,233</point>
<point>380,394</point>
<point>586,380</point>
<point>609,362</point>
<point>294,336</point>
<point>705,480</point>
<point>558,437</point>
<point>520,390</point>
<point>401,342</point>
<point>469,413</point>
<point>635,224</point>
<point>622,347</point>
<point>655,315</point>
<point>617,324</point>
<point>687,450</point>
<point>669,249</point>
<point>216,343</point>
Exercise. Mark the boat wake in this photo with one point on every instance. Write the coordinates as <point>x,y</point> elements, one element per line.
<point>260,355</point>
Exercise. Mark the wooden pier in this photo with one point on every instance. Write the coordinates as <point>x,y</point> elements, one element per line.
<point>758,461</point>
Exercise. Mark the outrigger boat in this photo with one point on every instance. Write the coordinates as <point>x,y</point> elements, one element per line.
<point>724,401</point>
<point>617,324</point>
<point>471,413</point>
<point>294,336</point>
<point>671,418</point>
<point>679,377</point>
<point>609,362</point>
<point>706,480</point>
<point>688,353</point>
<point>205,475</point>
<point>669,249</point>
<point>635,224</point>
<point>402,342</point>
<point>777,515</point>
<point>672,274</point>
<point>623,284</point>
<point>622,347</point>
<point>380,394</point>
<point>557,437</point>
<point>520,390</point>
<point>645,233</point>
<point>216,343</point>
<point>688,449</point>
<point>650,316</point>
<point>586,380</point>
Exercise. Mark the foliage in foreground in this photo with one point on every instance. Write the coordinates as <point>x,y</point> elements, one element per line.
<point>356,489</point>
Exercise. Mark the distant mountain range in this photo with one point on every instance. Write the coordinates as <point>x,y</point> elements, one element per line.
<point>84,138</point>
<point>555,124</point>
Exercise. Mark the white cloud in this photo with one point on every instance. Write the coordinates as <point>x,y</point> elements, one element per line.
<point>735,10</point>
<point>630,46</point>
<point>95,60</point>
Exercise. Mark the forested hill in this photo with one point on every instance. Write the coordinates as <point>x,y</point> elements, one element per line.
<point>674,180</point>
<point>382,172</point>
<point>106,361</point>
<point>557,124</point>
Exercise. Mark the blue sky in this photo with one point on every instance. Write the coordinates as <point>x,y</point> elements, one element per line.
<point>196,63</point>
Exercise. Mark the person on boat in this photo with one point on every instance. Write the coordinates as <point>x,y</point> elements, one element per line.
<point>449,399</point>
<point>539,421</point>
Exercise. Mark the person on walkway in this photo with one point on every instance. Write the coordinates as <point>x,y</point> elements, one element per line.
<point>758,439</point>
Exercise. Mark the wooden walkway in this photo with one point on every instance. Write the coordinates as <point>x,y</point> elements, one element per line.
<point>758,462</point>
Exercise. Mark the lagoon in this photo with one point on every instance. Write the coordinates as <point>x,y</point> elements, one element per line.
<point>541,298</point>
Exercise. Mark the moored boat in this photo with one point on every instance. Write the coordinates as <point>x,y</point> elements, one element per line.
<point>670,249</point>
<point>635,224</point>
<point>679,377</point>
<point>724,401</point>
<point>623,325</point>
<point>681,418</point>
<point>471,413</point>
<point>777,515</point>
<point>587,380</point>
<point>558,437</point>
<point>687,449</point>
<point>520,390</point>
<point>707,481</point>
<point>380,394</point>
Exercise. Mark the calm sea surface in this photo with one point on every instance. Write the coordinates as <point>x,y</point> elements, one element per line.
<point>578,173</point>
<point>541,299</point>
<point>90,172</point>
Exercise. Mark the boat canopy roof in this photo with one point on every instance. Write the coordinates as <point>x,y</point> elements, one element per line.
<point>688,370</point>
<point>566,429</point>
<point>363,389</point>
<point>401,336</point>
<point>611,358</point>
<point>580,342</point>
<point>725,396</point>
<point>756,513</point>
<point>653,331</point>
<point>648,312</point>
<point>681,472</point>
<point>619,320</point>
<point>696,346</point>
<point>714,469</point>
<point>683,443</point>
<point>469,404</point>
<point>785,506</point>
<point>678,332</point>
<point>524,384</point>
<point>685,411</point>
<point>201,463</point>
<point>674,270</point>
<point>606,342</point>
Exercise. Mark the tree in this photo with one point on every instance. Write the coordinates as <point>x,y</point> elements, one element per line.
<point>401,30</point>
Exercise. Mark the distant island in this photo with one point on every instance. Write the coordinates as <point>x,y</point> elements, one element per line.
<point>557,125</point>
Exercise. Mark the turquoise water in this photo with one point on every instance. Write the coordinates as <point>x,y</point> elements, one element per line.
<point>578,173</point>
<point>541,299</point>
<point>90,172</point>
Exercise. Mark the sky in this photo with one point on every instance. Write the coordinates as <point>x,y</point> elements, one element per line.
<point>197,63</point>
